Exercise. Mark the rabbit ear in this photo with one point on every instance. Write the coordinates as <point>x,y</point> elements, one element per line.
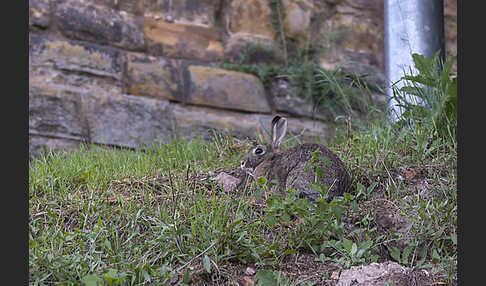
<point>279,128</point>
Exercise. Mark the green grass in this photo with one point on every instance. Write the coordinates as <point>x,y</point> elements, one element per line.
<point>103,216</point>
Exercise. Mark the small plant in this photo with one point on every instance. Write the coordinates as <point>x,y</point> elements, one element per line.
<point>412,255</point>
<point>271,278</point>
<point>349,253</point>
<point>334,93</point>
<point>429,97</point>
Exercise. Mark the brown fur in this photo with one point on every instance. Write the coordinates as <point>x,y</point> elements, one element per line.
<point>289,168</point>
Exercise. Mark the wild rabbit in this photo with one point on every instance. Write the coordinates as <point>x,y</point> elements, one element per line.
<point>293,167</point>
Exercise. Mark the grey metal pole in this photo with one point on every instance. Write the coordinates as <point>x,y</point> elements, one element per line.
<point>411,26</point>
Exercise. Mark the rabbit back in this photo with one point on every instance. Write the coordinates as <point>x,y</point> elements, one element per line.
<point>292,170</point>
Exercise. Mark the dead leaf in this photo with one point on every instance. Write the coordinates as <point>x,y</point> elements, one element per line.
<point>410,174</point>
<point>335,275</point>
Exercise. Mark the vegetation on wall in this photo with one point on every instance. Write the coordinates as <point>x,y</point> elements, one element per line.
<point>335,92</point>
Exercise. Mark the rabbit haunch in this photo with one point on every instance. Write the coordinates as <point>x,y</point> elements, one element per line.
<point>291,167</point>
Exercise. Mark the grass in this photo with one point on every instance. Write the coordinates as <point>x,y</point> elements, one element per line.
<point>103,216</point>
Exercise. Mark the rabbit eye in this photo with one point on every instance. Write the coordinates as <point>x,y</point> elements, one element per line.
<point>258,150</point>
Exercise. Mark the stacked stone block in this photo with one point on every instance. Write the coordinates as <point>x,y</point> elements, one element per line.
<point>128,72</point>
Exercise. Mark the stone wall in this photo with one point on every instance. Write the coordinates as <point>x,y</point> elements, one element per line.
<point>127,72</point>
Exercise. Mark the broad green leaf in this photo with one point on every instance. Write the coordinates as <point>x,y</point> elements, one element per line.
<point>111,276</point>
<point>187,276</point>
<point>354,248</point>
<point>319,171</point>
<point>270,220</point>
<point>454,238</point>
<point>347,244</point>
<point>266,278</point>
<point>107,244</point>
<point>146,275</point>
<point>394,253</point>
<point>435,256</point>
<point>338,211</point>
<point>262,181</point>
<point>406,253</point>
<point>423,255</point>
<point>92,280</point>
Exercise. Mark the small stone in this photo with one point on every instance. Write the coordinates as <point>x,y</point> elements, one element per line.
<point>335,275</point>
<point>250,271</point>
<point>376,274</point>
<point>169,19</point>
<point>229,182</point>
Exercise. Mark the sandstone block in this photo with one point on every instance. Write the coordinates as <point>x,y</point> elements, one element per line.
<point>152,76</point>
<point>76,56</point>
<point>297,19</point>
<point>252,49</point>
<point>201,12</point>
<point>250,16</point>
<point>128,121</point>
<point>50,81</point>
<point>192,121</point>
<point>85,21</point>
<point>38,144</point>
<point>349,33</point>
<point>450,30</point>
<point>353,37</point>
<point>182,40</point>
<point>225,89</point>
<point>285,99</point>
<point>58,99</point>
<point>83,108</point>
<point>58,115</point>
<point>39,13</point>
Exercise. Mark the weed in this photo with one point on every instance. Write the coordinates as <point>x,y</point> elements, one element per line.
<point>429,97</point>
<point>333,93</point>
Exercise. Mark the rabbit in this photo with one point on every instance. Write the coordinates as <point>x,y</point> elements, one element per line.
<point>290,167</point>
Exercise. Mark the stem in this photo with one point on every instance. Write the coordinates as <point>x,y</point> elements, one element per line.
<point>281,31</point>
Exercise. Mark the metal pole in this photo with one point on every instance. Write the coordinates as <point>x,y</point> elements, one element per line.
<point>411,26</point>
